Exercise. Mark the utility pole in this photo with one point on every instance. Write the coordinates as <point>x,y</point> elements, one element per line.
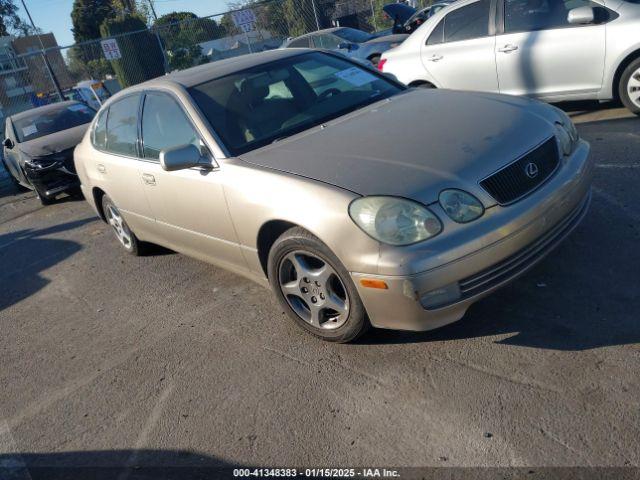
<point>153,9</point>
<point>44,55</point>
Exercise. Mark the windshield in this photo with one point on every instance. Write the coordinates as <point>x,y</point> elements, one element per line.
<point>353,35</point>
<point>40,124</point>
<point>266,103</point>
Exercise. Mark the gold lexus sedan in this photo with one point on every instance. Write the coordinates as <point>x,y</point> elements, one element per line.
<point>359,201</point>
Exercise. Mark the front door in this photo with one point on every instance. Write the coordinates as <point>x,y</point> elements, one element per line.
<point>189,205</point>
<point>459,51</point>
<point>541,54</point>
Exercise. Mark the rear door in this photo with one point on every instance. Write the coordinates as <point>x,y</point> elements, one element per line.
<point>459,52</point>
<point>115,163</point>
<point>539,53</point>
<point>189,205</point>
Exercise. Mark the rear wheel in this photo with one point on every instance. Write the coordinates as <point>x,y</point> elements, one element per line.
<point>629,88</point>
<point>314,288</point>
<point>123,233</point>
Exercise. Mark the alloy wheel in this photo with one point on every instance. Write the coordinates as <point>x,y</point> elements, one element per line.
<point>633,88</point>
<point>119,226</point>
<point>313,290</point>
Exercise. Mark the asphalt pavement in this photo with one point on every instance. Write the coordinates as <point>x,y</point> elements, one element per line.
<point>163,360</point>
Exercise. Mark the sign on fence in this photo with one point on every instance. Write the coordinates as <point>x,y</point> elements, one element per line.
<point>245,20</point>
<point>111,49</point>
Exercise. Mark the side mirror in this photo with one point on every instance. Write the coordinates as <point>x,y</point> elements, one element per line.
<point>180,158</point>
<point>8,143</point>
<point>581,16</point>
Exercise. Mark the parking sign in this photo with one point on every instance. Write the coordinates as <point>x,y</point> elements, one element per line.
<point>111,49</point>
<point>245,20</point>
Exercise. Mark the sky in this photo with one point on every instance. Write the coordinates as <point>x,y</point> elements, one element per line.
<point>55,15</point>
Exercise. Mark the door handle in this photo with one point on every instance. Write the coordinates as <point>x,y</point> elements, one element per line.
<point>148,179</point>
<point>101,168</point>
<point>508,48</point>
<point>435,58</point>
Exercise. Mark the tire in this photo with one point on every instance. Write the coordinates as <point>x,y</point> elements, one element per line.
<point>123,233</point>
<point>629,87</point>
<point>297,260</point>
<point>422,85</point>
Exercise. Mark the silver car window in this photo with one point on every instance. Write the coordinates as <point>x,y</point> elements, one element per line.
<point>468,22</point>
<point>533,15</point>
<point>164,125</point>
<point>122,126</point>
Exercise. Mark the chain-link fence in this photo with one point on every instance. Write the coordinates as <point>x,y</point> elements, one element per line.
<point>35,71</point>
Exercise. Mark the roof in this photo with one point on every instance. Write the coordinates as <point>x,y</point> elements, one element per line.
<point>221,68</point>
<point>40,110</point>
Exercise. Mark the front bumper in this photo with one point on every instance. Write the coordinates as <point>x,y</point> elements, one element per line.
<point>52,179</point>
<point>532,228</point>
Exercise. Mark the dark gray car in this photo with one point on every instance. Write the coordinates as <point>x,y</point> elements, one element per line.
<point>39,143</point>
<point>351,42</point>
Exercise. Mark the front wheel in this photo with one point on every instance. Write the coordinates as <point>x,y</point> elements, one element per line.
<point>123,233</point>
<point>314,287</point>
<point>629,88</point>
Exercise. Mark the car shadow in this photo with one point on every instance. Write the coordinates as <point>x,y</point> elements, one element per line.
<point>114,464</point>
<point>583,295</point>
<point>27,253</point>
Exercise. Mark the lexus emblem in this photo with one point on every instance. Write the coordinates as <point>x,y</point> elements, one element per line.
<point>531,169</point>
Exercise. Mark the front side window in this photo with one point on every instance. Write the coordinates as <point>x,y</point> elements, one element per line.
<point>468,22</point>
<point>533,15</point>
<point>122,126</point>
<point>40,123</point>
<point>164,125</point>
<point>353,35</point>
<point>268,102</point>
<point>330,42</point>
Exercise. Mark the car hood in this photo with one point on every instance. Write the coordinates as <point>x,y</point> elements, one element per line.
<point>54,143</point>
<point>415,144</point>
<point>399,38</point>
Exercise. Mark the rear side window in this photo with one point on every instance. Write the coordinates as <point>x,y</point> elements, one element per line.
<point>100,131</point>
<point>122,126</point>
<point>468,22</point>
<point>437,35</point>
<point>164,125</point>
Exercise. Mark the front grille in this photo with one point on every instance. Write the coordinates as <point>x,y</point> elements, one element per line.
<point>524,175</point>
<point>525,258</point>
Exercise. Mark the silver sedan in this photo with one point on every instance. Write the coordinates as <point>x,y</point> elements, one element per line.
<point>554,50</point>
<point>358,201</point>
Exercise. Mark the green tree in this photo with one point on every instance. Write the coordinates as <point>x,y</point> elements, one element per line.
<point>11,23</point>
<point>142,59</point>
<point>299,16</point>
<point>88,15</point>
<point>181,32</point>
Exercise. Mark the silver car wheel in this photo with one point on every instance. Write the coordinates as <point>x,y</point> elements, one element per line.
<point>119,226</point>
<point>313,290</point>
<point>633,88</point>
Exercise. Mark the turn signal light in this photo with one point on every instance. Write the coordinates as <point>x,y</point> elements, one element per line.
<point>371,283</point>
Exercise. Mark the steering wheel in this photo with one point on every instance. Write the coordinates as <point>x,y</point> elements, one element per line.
<point>328,93</point>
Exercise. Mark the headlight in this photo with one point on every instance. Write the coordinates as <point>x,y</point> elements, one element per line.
<point>462,207</point>
<point>395,221</point>
<point>566,133</point>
